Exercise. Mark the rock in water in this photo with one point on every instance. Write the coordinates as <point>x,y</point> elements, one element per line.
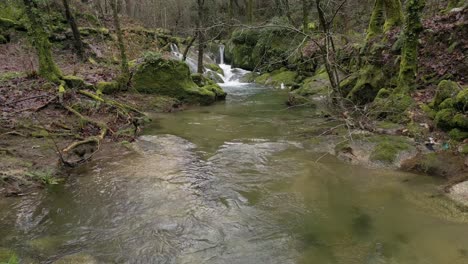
<point>157,75</point>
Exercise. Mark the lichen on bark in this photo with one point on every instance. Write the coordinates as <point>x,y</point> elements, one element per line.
<point>386,14</point>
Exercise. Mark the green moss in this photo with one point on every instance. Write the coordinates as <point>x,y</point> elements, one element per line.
<point>172,78</point>
<point>8,256</point>
<point>460,120</point>
<point>447,103</point>
<point>74,82</point>
<point>462,99</point>
<point>391,105</point>
<point>387,148</point>
<point>47,67</point>
<point>445,89</point>
<point>107,87</point>
<point>409,52</point>
<point>164,103</point>
<point>431,113</point>
<point>386,14</point>
<point>444,118</point>
<point>263,78</point>
<point>278,77</point>
<point>86,31</point>
<point>458,135</point>
<point>365,85</point>
<point>214,67</point>
<point>217,90</point>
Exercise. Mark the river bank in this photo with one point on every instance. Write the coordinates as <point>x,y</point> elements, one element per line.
<point>201,185</point>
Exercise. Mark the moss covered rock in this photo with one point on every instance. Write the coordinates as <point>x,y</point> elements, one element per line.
<point>363,86</point>
<point>311,87</point>
<point>278,77</point>
<point>388,148</point>
<point>267,48</point>
<point>445,89</point>
<point>214,67</point>
<point>461,101</point>
<point>391,105</point>
<point>157,75</point>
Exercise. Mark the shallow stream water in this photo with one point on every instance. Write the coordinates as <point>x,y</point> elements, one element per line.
<point>236,182</point>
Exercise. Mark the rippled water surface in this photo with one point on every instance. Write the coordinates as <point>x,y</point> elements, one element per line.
<point>236,182</point>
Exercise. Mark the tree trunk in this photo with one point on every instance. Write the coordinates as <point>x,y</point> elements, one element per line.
<point>125,72</point>
<point>409,52</point>
<point>279,8</point>
<point>250,7</point>
<point>386,14</point>
<point>76,33</point>
<point>47,67</point>
<point>288,11</point>
<point>184,56</point>
<point>201,41</point>
<point>231,9</point>
<point>305,16</point>
<point>128,7</point>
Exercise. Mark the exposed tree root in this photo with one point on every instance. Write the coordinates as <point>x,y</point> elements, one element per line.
<point>113,103</point>
<point>86,148</point>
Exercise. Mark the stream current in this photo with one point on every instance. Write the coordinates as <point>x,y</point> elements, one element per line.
<point>236,182</point>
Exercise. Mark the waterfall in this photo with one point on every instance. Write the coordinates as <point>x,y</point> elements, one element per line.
<point>175,51</point>
<point>221,54</point>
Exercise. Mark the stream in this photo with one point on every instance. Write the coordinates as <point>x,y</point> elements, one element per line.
<point>236,182</point>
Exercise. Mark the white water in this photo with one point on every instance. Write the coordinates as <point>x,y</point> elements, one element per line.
<point>231,75</point>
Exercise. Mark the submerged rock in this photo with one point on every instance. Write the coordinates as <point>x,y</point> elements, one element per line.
<point>459,193</point>
<point>157,75</point>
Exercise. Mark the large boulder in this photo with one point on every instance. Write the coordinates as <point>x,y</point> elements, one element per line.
<point>158,75</point>
<point>266,49</point>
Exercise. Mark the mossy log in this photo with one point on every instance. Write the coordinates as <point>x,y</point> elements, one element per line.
<point>113,103</point>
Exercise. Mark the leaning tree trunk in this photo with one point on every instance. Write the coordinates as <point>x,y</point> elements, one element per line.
<point>125,72</point>
<point>76,33</point>
<point>409,52</point>
<point>47,67</point>
<point>201,41</point>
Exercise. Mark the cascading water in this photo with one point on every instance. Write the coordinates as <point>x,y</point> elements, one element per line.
<point>221,54</point>
<point>190,62</point>
<point>231,75</point>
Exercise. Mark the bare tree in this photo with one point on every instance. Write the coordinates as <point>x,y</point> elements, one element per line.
<point>125,72</point>
<point>76,33</point>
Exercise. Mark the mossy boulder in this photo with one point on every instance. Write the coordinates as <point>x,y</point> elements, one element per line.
<point>388,148</point>
<point>461,101</point>
<point>157,75</point>
<point>391,105</point>
<point>444,118</point>
<point>214,67</point>
<point>458,135</point>
<point>208,84</point>
<point>364,85</point>
<point>278,77</point>
<point>311,87</point>
<point>267,48</point>
<point>445,89</point>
